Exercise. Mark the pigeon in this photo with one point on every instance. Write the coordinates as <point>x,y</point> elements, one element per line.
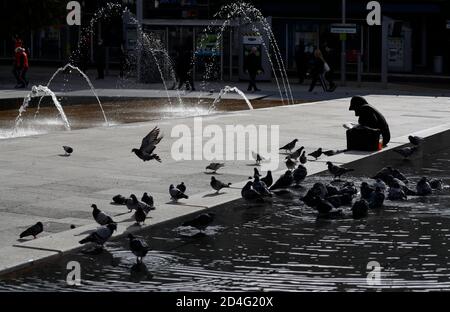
<point>316,154</point>
<point>290,164</point>
<point>360,209</point>
<point>119,200</point>
<point>348,188</point>
<point>309,199</point>
<point>140,215</point>
<point>337,171</point>
<point>303,158</point>
<point>261,187</point>
<point>415,140</point>
<point>423,187</point>
<point>68,150</point>
<point>101,235</point>
<point>299,174</point>
<point>182,187</point>
<point>323,206</point>
<point>256,173</point>
<point>320,190</point>
<point>391,180</point>
<point>148,146</point>
<point>218,185</point>
<point>215,166</point>
<point>332,190</point>
<point>201,222</point>
<point>398,175</point>
<point>284,181</point>
<point>376,200</point>
<point>380,183</point>
<point>340,200</point>
<point>268,180</point>
<point>436,184</point>
<point>297,153</point>
<point>396,192</point>
<point>258,158</point>
<point>406,152</point>
<point>33,230</point>
<point>132,203</point>
<point>176,194</point>
<point>138,247</point>
<point>148,199</point>
<point>332,152</point>
<point>366,190</point>
<point>100,217</point>
<point>248,193</point>
<point>290,146</point>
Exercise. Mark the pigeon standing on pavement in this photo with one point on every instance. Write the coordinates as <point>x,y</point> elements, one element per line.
<point>406,152</point>
<point>415,140</point>
<point>290,146</point>
<point>215,166</point>
<point>218,185</point>
<point>337,171</point>
<point>268,180</point>
<point>258,158</point>
<point>290,164</point>
<point>299,174</point>
<point>297,153</point>
<point>140,215</point>
<point>148,199</point>
<point>316,154</point>
<point>101,235</point>
<point>138,247</point>
<point>261,187</point>
<point>119,199</point>
<point>68,150</point>
<point>423,187</point>
<point>100,217</point>
<point>132,203</point>
<point>182,187</point>
<point>176,194</point>
<point>148,146</point>
<point>303,158</point>
<point>284,181</point>
<point>256,173</point>
<point>33,230</point>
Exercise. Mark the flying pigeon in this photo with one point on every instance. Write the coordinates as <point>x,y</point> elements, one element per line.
<point>360,209</point>
<point>218,185</point>
<point>119,200</point>
<point>377,199</point>
<point>268,180</point>
<point>258,158</point>
<point>101,235</point>
<point>337,171</point>
<point>297,153</point>
<point>290,164</point>
<point>215,166</point>
<point>303,158</point>
<point>33,230</point>
<point>415,140</point>
<point>148,199</point>
<point>248,193</point>
<point>176,194</point>
<point>182,187</point>
<point>100,217</point>
<point>68,150</point>
<point>148,145</point>
<point>423,187</point>
<point>290,146</point>
<point>316,154</point>
<point>261,187</point>
<point>201,222</point>
<point>406,152</point>
<point>138,247</point>
<point>300,174</point>
<point>284,181</point>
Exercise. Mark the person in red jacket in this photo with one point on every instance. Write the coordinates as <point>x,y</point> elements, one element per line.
<point>21,67</point>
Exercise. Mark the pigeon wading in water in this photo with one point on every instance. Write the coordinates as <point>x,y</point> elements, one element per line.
<point>337,171</point>
<point>248,193</point>
<point>68,150</point>
<point>215,166</point>
<point>377,198</point>
<point>360,209</point>
<point>406,152</point>
<point>176,194</point>
<point>423,187</point>
<point>284,181</point>
<point>300,174</point>
<point>261,187</point>
<point>316,154</point>
<point>201,222</point>
<point>148,145</point>
<point>101,235</point>
<point>415,140</point>
<point>218,185</point>
<point>138,247</point>
<point>396,192</point>
<point>33,230</point>
<point>290,146</point>
<point>100,217</point>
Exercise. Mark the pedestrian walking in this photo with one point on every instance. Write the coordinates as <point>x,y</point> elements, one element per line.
<point>252,66</point>
<point>318,70</point>
<point>21,67</point>
<point>329,58</point>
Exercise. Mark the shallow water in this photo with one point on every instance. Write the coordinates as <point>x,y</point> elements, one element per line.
<point>279,247</point>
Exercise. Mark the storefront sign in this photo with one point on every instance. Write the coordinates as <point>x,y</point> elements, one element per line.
<point>343,28</point>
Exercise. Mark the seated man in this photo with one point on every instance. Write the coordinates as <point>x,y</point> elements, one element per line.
<point>372,124</point>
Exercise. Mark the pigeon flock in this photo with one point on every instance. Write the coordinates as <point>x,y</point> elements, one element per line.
<point>327,199</point>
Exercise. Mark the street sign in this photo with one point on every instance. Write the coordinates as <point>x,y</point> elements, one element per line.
<point>343,28</point>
